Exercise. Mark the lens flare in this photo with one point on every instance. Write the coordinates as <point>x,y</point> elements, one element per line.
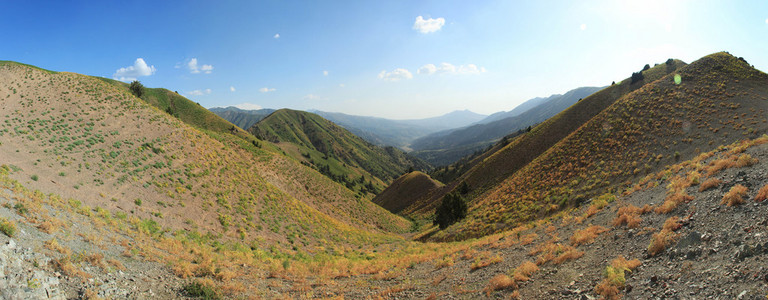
<point>678,79</point>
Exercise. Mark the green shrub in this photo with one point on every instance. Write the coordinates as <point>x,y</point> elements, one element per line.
<point>451,210</point>
<point>34,177</point>
<point>7,227</point>
<point>200,291</point>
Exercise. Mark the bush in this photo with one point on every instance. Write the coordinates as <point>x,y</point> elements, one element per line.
<point>646,67</point>
<point>735,195</point>
<point>34,177</point>
<point>451,210</point>
<point>7,227</point>
<point>200,291</point>
<point>637,76</point>
<point>137,88</point>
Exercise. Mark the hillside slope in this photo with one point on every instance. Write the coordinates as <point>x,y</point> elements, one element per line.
<point>334,151</point>
<point>716,100</point>
<point>485,170</point>
<point>445,147</point>
<point>82,138</point>
<point>405,190</point>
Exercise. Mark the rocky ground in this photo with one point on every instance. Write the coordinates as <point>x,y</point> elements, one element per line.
<point>29,269</point>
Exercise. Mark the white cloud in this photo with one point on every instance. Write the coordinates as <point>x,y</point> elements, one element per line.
<point>247,106</point>
<point>231,88</point>
<point>395,75</point>
<point>194,69</point>
<point>325,73</point>
<point>766,21</point>
<point>427,69</point>
<point>428,25</point>
<point>583,27</point>
<point>471,69</point>
<point>267,90</point>
<point>277,36</point>
<point>446,68</point>
<point>341,85</point>
<point>130,73</point>
<point>200,92</point>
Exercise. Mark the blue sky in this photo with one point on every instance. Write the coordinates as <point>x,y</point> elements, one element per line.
<point>394,59</point>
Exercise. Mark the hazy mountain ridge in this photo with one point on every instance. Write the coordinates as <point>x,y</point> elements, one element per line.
<point>241,117</point>
<point>445,147</point>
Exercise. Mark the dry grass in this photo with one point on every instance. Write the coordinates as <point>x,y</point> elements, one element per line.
<point>709,184</point>
<point>735,195</point>
<point>672,201</point>
<point>116,264</point>
<point>745,160</point>
<point>485,260</point>
<point>500,282</point>
<point>66,267</point>
<point>615,277</point>
<point>660,241</point>
<point>524,271</point>
<point>54,245</point>
<point>762,194</point>
<point>555,253</point>
<point>672,224</point>
<point>445,262</point>
<point>587,235</point>
<point>630,215</point>
<point>96,260</point>
<point>528,239</point>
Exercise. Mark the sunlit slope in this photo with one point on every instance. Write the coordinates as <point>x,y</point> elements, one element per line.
<point>406,190</point>
<point>334,151</point>
<point>80,137</point>
<point>484,171</point>
<point>720,99</point>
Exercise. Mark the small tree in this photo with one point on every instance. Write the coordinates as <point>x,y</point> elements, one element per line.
<point>637,76</point>
<point>451,210</point>
<point>137,88</point>
<point>647,66</point>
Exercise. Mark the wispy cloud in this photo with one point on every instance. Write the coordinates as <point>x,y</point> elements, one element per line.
<point>277,36</point>
<point>130,73</point>
<point>310,97</point>
<point>447,68</point>
<point>195,69</point>
<point>231,88</point>
<point>267,90</point>
<point>199,92</point>
<point>396,74</point>
<point>428,25</point>
<point>247,106</point>
<point>325,73</point>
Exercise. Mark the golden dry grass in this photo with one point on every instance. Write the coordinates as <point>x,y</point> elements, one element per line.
<point>672,201</point>
<point>615,277</point>
<point>524,271</point>
<point>762,194</point>
<point>500,282</point>
<point>735,195</point>
<point>630,215</point>
<point>709,184</point>
<point>587,235</point>
<point>660,241</point>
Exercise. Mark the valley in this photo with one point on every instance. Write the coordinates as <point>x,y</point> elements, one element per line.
<point>110,194</point>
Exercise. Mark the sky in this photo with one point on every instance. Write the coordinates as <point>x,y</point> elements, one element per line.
<point>393,59</point>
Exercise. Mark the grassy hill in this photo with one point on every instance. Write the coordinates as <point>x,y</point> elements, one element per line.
<point>445,147</point>
<point>334,151</point>
<point>719,99</point>
<point>90,139</point>
<point>406,190</point>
